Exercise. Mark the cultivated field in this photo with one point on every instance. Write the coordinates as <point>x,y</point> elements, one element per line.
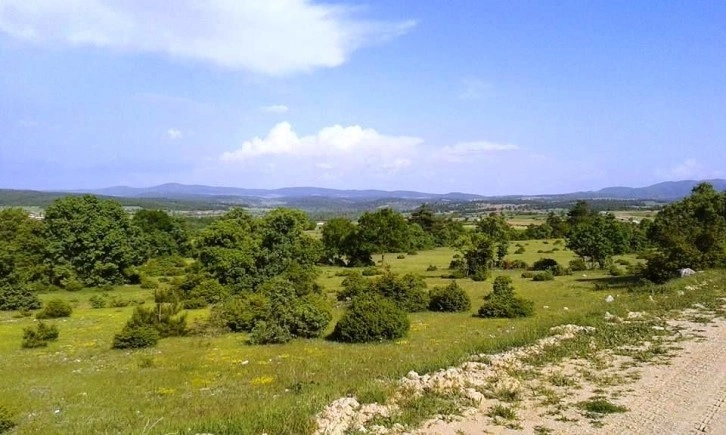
<point>219,384</point>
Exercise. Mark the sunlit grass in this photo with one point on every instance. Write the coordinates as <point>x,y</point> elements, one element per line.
<point>219,384</point>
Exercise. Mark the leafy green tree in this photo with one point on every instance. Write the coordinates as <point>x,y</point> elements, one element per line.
<point>383,231</point>
<point>478,255</point>
<point>580,213</point>
<point>338,236</point>
<point>689,233</point>
<point>598,239</point>
<point>502,302</point>
<point>164,235</point>
<point>92,239</point>
<point>21,247</point>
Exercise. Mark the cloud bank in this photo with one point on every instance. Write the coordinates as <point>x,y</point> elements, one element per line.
<point>274,37</point>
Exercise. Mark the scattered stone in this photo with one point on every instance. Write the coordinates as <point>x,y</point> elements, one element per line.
<point>686,272</point>
<point>610,299</point>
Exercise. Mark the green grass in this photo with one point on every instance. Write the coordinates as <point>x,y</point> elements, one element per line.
<point>218,384</point>
<point>601,406</point>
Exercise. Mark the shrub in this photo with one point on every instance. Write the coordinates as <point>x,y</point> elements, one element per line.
<point>514,264</point>
<point>240,313</point>
<point>371,318</point>
<point>18,298</point>
<point>6,420</point>
<point>623,262</point>
<point>309,317</point>
<point>450,298</point>
<point>408,291</point>
<point>527,274</point>
<point>354,285</point>
<point>39,336</point>
<point>194,304</point>
<point>431,268</point>
<point>502,303</point>
<point>97,301</point>
<point>545,264</point>
<point>400,256</point>
<point>73,285</point>
<point>136,337</point>
<point>615,270</point>
<point>269,333</point>
<point>457,263</point>
<point>578,264</point>
<point>371,271</point>
<point>520,250</point>
<point>55,308</point>
<point>412,253</point>
<point>208,290</point>
<point>148,283</point>
<point>480,274</point>
<point>117,302</point>
<point>543,276</point>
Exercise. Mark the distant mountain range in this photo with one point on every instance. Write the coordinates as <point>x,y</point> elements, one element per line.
<point>667,191</point>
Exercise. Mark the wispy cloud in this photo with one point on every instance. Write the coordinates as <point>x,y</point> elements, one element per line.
<point>274,37</point>
<point>276,108</point>
<point>467,150</point>
<point>473,89</point>
<point>174,134</point>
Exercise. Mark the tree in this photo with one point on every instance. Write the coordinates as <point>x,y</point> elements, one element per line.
<point>164,234</point>
<point>92,239</point>
<point>339,241</point>
<point>598,239</point>
<point>580,213</point>
<point>21,247</point>
<point>383,231</point>
<point>689,233</point>
<point>478,255</point>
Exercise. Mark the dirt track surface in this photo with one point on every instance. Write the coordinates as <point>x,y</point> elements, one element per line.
<point>685,396</point>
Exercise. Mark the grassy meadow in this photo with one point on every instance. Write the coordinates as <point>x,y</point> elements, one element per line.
<point>219,384</point>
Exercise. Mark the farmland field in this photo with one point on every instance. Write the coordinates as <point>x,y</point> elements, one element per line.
<point>222,385</point>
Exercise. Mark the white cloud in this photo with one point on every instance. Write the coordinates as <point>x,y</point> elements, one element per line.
<point>276,108</point>
<point>271,37</point>
<point>174,134</point>
<point>466,150</point>
<point>351,148</point>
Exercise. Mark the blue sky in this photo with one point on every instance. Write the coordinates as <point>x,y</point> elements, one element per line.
<point>477,96</point>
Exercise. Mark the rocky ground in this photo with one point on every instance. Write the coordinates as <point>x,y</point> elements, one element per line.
<point>674,384</point>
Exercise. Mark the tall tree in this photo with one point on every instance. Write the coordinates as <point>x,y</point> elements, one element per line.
<point>91,239</point>
<point>598,239</point>
<point>164,234</point>
<point>21,247</point>
<point>383,231</point>
<point>689,233</point>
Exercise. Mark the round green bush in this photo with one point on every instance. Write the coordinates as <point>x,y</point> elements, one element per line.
<point>269,333</point>
<point>407,291</point>
<point>543,276</point>
<point>148,283</point>
<point>39,336</point>
<point>310,315</point>
<point>371,318</point>
<point>97,301</point>
<point>502,303</point>
<point>55,308</point>
<point>578,264</point>
<point>136,337</point>
<point>545,264</point>
<point>451,298</point>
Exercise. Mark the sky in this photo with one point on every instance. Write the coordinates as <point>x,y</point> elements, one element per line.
<point>505,97</point>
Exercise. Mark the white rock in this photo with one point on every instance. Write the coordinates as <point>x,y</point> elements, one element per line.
<point>610,299</point>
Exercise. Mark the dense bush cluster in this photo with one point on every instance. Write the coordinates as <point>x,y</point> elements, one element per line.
<point>148,325</point>
<point>502,303</point>
<point>18,298</point>
<point>451,298</point>
<point>371,318</point>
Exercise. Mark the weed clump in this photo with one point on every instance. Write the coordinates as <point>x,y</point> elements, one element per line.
<point>371,318</point>
<point>451,298</point>
<point>600,405</point>
<point>502,303</point>
<point>54,309</point>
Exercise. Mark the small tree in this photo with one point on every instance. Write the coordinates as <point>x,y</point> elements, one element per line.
<point>39,336</point>
<point>55,308</point>
<point>502,303</point>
